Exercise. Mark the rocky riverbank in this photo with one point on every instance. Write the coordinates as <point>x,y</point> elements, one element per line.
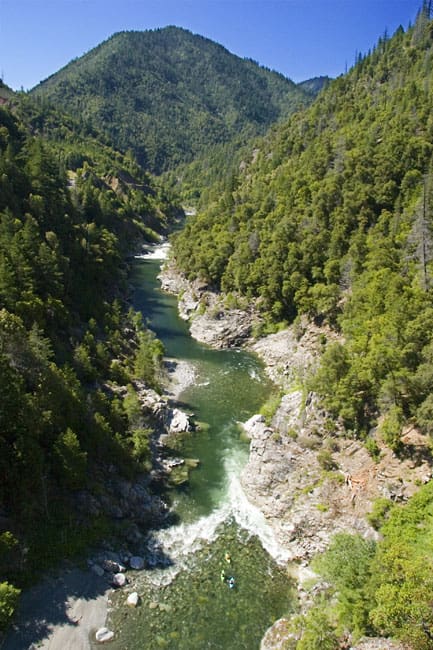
<point>68,610</point>
<point>219,321</point>
<point>132,505</point>
<point>307,477</point>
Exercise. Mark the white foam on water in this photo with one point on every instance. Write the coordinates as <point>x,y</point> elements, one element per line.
<point>184,539</point>
<point>248,516</point>
<point>158,252</point>
<point>181,541</point>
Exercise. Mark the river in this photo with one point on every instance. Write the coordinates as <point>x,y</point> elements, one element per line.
<point>186,604</point>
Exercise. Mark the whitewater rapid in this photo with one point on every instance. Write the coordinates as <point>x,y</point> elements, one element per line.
<point>180,542</point>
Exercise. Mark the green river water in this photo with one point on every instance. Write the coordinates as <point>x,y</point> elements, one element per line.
<point>186,605</point>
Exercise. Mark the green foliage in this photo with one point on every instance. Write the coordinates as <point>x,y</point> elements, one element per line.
<point>403,572</point>
<point>140,439</point>
<point>148,358</point>
<point>314,631</point>
<point>269,408</point>
<point>8,601</point>
<point>330,215</point>
<point>326,460</point>
<point>373,449</point>
<point>167,94</point>
<point>72,461</point>
<point>391,427</point>
<point>386,588</point>
<point>318,634</point>
<point>71,208</point>
<point>347,565</point>
<point>379,512</point>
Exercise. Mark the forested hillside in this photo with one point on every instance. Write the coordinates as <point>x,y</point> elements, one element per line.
<point>71,208</point>
<point>331,216</point>
<point>168,94</point>
<point>328,217</point>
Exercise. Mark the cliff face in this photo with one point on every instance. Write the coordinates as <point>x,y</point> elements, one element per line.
<point>304,473</point>
<point>307,477</point>
<point>213,320</point>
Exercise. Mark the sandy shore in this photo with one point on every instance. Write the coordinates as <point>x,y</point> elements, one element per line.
<point>60,613</point>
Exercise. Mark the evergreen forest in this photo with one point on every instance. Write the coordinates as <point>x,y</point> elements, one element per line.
<point>330,217</point>
<point>168,94</point>
<point>72,209</point>
<point>314,201</point>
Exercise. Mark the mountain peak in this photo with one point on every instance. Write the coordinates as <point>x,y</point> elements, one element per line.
<point>168,94</point>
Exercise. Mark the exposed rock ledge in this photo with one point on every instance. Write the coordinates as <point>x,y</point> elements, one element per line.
<point>132,503</point>
<point>308,479</point>
<point>212,321</point>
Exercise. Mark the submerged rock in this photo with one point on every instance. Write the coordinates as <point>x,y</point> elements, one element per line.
<point>136,562</point>
<point>98,570</point>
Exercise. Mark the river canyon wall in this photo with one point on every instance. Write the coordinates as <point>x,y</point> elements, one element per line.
<point>308,477</point>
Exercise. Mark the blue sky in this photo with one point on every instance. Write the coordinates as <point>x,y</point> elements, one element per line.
<point>300,38</point>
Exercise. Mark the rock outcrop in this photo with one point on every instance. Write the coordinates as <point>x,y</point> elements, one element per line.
<point>132,503</point>
<point>214,319</point>
<point>308,479</point>
<point>302,493</point>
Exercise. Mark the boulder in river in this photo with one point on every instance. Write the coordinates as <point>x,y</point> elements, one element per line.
<point>136,562</point>
<point>103,635</point>
<point>119,580</point>
<point>113,567</point>
<point>179,422</point>
<point>132,599</point>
